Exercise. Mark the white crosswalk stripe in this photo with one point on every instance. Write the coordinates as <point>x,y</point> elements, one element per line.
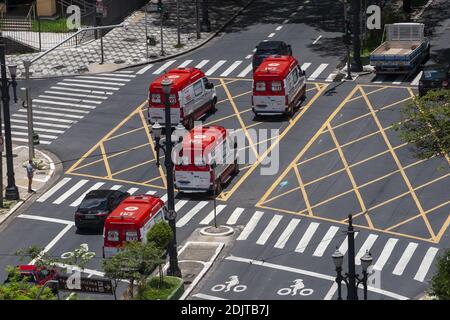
<point>151,192</point>
<point>235,216</point>
<point>185,64</point>
<point>304,241</point>
<point>244,72</point>
<point>65,115</point>
<point>86,86</point>
<point>54,189</point>
<point>318,71</point>
<point>269,229</point>
<point>96,82</point>
<point>180,204</point>
<point>131,191</point>
<point>65,93</point>
<point>416,80</point>
<point>385,254</point>
<point>37,129</point>
<point>323,245</point>
<point>398,80</point>
<point>116,187</point>
<point>77,202</point>
<point>144,69</point>
<point>164,67</point>
<point>426,264</point>
<point>210,217</point>
<point>189,215</point>
<point>283,239</point>
<point>45,118</point>
<point>164,198</point>
<point>62,126</point>
<point>404,260</point>
<point>215,67</point>
<point>37,106</point>
<point>26,140</point>
<point>82,90</point>
<point>85,106</point>
<point>344,246</point>
<point>367,245</point>
<point>250,226</point>
<point>69,192</point>
<point>231,68</point>
<point>305,66</point>
<point>69,99</point>
<point>103,78</point>
<point>201,64</point>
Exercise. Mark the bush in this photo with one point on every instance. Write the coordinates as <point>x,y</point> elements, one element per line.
<point>154,290</point>
<point>160,234</point>
<point>440,284</point>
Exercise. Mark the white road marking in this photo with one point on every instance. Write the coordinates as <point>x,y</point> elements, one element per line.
<point>185,64</point>
<point>305,66</point>
<point>201,64</point>
<point>286,21</point>
<point>83,90</point>
<point>367,245</point>
<point>80,198</point>
<point>416,80</point>
<point>65,104</point>
<point>164,67</point>
<point>344,246</point>
<point>245,71</point>
<point>124,71</point>
<point>235,216</point>
<point>279,28</point>
<point>404,260</point>
<point>75,95</point>
<point>50,245</point>
<point>116,187</point>
<point>426,264</point>
<point>103,78</point>
<point>249,56</point>
<point>303,243</point>
<point>164,198</point>
<point>26,140</point>
<point>271,35</point>
<point>96,82</point>
<point>250,225</point>
<point>207,297</point>
<point>54,114</point>
<point>69,99</point>
<point>331,292</point>
<point>55,188</point>
<point>37,129</point>
<point>44,118</point>
<point>151,192</point>
<point>118,75</point>
<point>231,68</point>
<point>60,109</point>
<point>86,86</point>
<point>254,50</point>
<point>17,133</point>
<point>210,216</point>
<point>317,39</point>
<point>215,67</point>
<point>269,229</point>
<point>188,216</point>
<point>318,71</point>
<point>379,79</point>
<point>331,77</point>
<point>398,79</point>
<point>180,205</point>
<point>309,273</point>
<point>144,69</point>
<point>131,191</point>
<point>47,219</point>
<point>324,243</point>
<point>385,254</point>
<point>293,14</point>
<point>42,124</point>
<point>283,239</point>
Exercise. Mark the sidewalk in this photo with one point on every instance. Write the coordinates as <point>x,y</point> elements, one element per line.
<point>41,176</point>
<point>125,47</point>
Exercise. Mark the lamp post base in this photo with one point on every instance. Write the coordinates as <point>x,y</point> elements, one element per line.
<point>12,193</point>
<point>174,271</point>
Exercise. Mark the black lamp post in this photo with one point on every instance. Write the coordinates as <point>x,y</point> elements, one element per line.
<point>205,25</point>
<point>12,193</point>
<point>174,269</point>
<point>351,279</point>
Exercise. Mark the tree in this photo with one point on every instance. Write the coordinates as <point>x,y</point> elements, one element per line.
<point>407,6</point>
<point>161,234</point>
<point>425,124</point>
<point>440,283</point>
<point>135,262</point>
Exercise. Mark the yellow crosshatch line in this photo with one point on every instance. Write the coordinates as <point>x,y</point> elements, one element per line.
<point>263,202</point>
<point>302,188</point>
<point>105,161</point>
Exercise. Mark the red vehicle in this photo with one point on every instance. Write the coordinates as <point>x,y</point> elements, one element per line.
<point>131,221</point>
<point>279,85</point>
<point>37,275</point>
<point>191,97</point>
<point>208,159</point>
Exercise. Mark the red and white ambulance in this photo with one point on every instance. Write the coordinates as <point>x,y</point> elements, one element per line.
<point>207,160</point>
<point>131,221</point>
<point>192,95</point>
<point>279,85</point>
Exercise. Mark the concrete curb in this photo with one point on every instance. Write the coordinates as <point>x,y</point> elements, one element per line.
<point>213,35</point>
<point>56,172</point>
<point>204,232</point>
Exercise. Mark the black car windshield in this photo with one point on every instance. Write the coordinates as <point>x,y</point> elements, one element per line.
<point>93,204</point>
<point>267,51</point>
<point>434,74</point>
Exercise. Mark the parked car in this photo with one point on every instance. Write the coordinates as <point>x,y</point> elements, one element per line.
<point>434,77</point>
<point>269,48</point>
<point>37,275</point>
<point>96,206</point>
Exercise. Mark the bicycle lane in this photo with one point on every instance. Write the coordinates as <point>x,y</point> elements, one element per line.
<point>239,278</point>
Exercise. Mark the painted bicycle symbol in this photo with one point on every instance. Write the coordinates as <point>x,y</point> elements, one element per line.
<point>296,288</point>
<point>231,284</point>
<point>83,251</point>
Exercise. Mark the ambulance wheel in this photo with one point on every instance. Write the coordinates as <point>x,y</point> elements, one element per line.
<point>213,106</point>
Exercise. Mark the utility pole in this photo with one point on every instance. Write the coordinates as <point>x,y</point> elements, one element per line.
<point>206,25</point>
<point>178,24</point>
<point>347,39</point>
<point>351,289</point>
<point>197,20</point>
<point>357,63</point>
<point>160,9</point>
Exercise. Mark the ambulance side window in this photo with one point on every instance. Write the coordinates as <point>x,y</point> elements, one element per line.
<point>198,88</point>
<point>295,75</point>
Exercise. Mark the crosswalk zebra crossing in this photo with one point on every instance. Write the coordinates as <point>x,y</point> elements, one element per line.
<point>236,68</point>
<point>282,232</point>
<point>65,103</point>
<point>400,79</point>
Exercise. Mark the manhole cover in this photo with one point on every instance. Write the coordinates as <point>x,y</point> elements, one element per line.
<point>59,67</point>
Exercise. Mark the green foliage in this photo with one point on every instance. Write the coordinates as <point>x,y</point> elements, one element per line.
<point>21,289</point>
<point>426,124</point>
<point>440,284</point>
<point>160,234</point>
<point>154,290</point>
<point>135,262</point>
<point>59,25</point>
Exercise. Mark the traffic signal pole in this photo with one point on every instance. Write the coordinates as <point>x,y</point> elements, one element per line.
<point>347,40</point>
<point>356,8</point>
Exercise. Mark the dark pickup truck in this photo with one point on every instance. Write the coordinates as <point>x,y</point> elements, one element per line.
<point>270,48</point>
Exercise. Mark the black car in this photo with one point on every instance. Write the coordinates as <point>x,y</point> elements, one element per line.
<point>96,206</point>
<point>270,48</point>
<point>434,77</point>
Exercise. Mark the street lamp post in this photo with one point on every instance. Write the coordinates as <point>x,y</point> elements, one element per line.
<point>206,25</point>
<point>12,192</point>
<point>351,279</point>
<point>174,269</point>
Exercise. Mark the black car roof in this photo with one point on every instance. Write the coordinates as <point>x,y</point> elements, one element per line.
<point>102,193</point>
<point>270,44</point>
